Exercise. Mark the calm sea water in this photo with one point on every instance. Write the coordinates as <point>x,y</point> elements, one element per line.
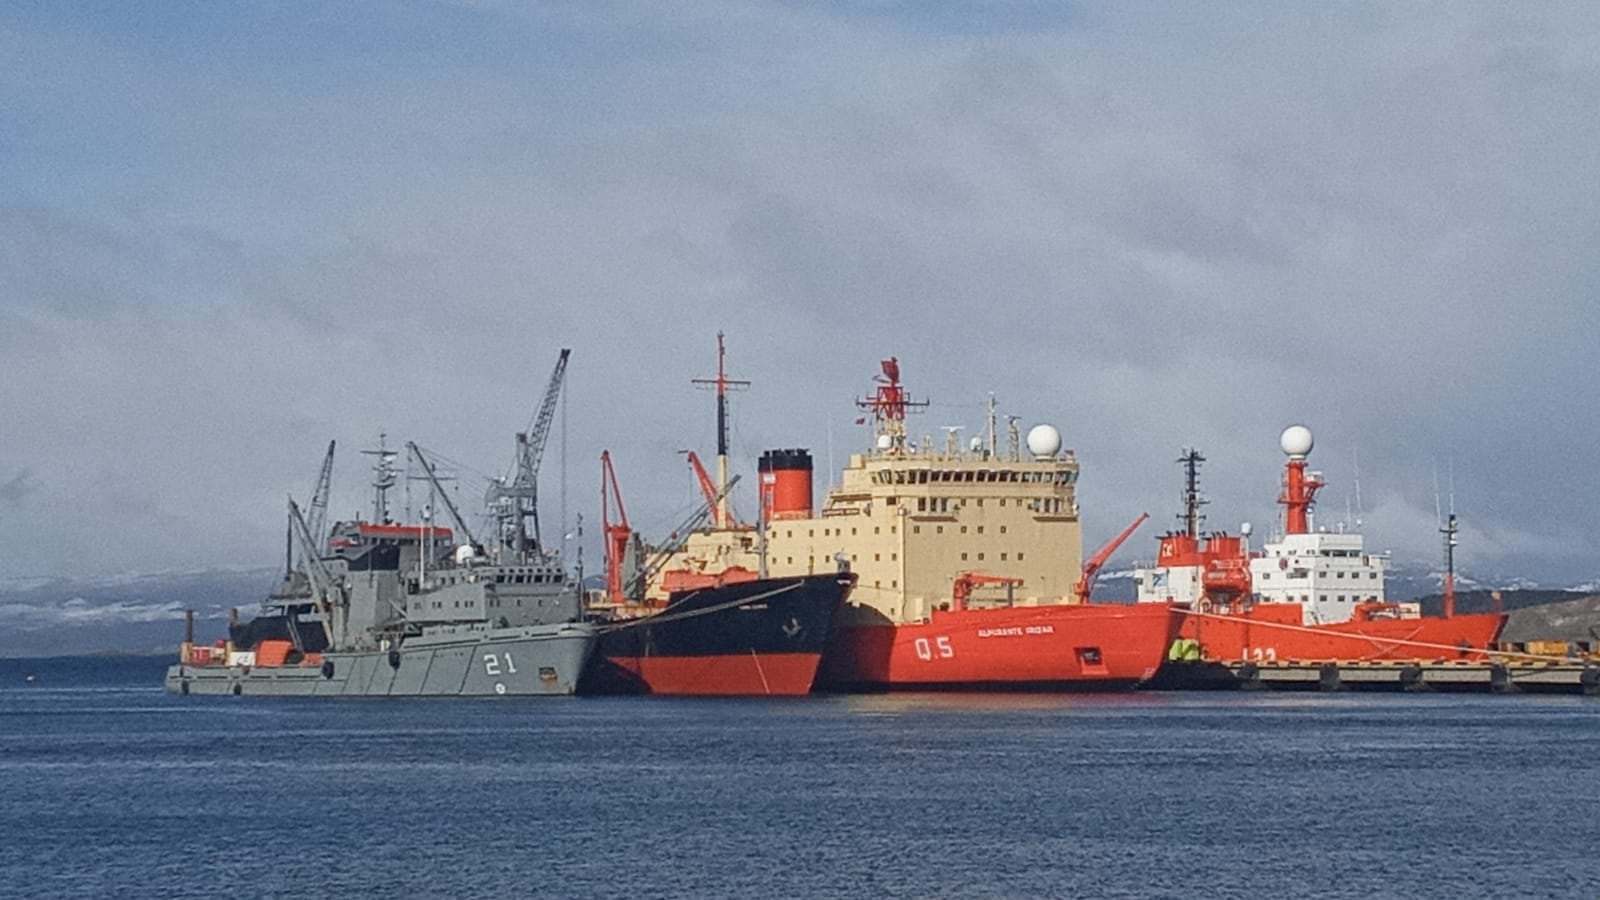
<point>108,787</point>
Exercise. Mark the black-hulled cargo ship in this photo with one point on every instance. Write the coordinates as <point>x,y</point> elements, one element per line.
<point>737,635</point>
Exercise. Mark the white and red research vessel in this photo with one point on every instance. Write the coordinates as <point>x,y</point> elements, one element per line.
<point>1307,594</point>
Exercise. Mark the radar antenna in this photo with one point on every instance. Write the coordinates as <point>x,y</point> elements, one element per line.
<point>889,406</point>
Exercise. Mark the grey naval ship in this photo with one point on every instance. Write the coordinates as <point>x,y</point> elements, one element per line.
<point>384,609</point>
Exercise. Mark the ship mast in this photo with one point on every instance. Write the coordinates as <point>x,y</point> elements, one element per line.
<point>1192,501</point>
<point>383,478</point>
<point>722,383</point>
<point>888,407</point>
<point>1448,530</point>
<point>1299,486</point>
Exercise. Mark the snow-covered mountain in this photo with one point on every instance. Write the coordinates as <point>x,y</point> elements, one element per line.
<point>132,614</point>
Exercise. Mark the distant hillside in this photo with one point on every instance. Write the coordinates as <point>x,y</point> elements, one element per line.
<point>1483,601</point>
<point>138,614</point>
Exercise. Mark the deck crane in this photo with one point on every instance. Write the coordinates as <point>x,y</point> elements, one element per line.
<point>314,522</point>
<point>516,498</point>
<point>961,590</point>
<point>327,592</point>
<point>619,533</point>
<point>1091,569</point>
<point>317,517</point>
<point>439,491</point>
<point>676,539</point>
<point>720,518</point>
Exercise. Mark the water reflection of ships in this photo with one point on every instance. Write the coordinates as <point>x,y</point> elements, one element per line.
<point>1307,594</point>
<point>381,608</point>
<point>967,562</point>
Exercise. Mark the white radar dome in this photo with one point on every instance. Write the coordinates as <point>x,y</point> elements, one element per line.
<point>1044,441</point>
<point>885,442</point>
<point>1296,441</point>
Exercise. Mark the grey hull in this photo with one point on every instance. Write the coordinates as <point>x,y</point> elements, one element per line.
<point>532,661</point>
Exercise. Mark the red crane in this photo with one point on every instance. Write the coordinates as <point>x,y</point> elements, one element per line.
<point>1091,569</point>
<point>707,488</point>
<point>617,533</point>
<point>966,581</point>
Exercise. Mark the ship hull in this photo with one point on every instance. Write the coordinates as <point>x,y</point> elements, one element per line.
<point>760,637</point>
<point>533,661</point>
<point>1275,631</point>
<point>1086,647</point>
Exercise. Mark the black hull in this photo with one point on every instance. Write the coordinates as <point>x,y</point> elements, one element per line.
<point>781,622</point>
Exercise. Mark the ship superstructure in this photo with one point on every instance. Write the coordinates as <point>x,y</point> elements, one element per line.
<point>908,518</point>
<point>967,559</point>
<point>1308,593</point>
<point>1328,574</point>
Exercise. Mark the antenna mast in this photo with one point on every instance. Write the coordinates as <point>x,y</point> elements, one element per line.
<point>1192,501</point>
<point>383,478</point>
<point>1449,530</point>
<point>722,383</point>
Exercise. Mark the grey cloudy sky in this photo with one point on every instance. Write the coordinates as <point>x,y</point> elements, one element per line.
<point>231,233</point>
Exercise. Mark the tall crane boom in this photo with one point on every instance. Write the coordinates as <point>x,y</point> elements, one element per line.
<point>707,489</point>
<point>326,590</point>
<point>442,494</point>
<point>318,512</point>
<point>518,496</point>
<point>1091,569</point>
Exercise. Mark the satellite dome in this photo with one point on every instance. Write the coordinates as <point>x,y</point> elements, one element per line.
<point>1296,441</point>
<point>1044,441</point>
<point>885,442</point>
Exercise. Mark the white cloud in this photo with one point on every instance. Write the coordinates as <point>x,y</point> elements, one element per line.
<point>1155,230</point>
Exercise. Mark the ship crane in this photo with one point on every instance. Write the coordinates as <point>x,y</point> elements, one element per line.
<point>518,497</point>
<point>619,533</point>
<point>314,523</point>
<point>442,494</point>
<point>323,583</point>
<point>1091,569</point>
<point>961,591</point>
<point>317,520</point>
<point>720,517</point>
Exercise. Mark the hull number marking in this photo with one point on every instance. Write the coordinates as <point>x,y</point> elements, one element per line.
<point>491,664</point>
<point>941,645</point>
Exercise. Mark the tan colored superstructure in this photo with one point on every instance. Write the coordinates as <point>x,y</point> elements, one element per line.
<point>908,520</point>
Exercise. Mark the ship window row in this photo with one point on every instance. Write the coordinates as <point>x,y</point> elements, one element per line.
<point>981,476</point>
<point>1267,576</point>
<point>939,529</point>
<point>832,532</point>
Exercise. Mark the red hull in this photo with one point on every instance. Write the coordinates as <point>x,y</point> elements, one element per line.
<point>766,674</point>
<point>1073,646</point>
<point>1274,631</point>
